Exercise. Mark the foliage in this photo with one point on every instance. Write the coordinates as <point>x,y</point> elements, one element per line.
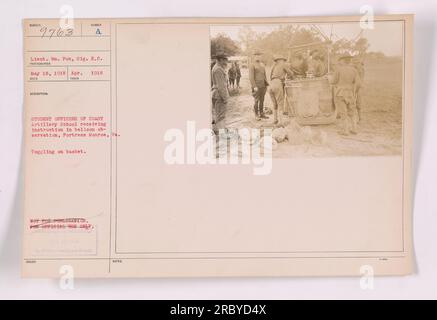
<point>358,47</point>
<point>223,44</point>
<point>279,41</point>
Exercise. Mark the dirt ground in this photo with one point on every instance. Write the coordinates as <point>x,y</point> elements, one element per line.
<point>379,132</point>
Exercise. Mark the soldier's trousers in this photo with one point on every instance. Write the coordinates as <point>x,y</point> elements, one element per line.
<point>276,91</point>
<point>259,101</point>
<point>219,113</point>
<point>347,110</point>
<point>359,101</point>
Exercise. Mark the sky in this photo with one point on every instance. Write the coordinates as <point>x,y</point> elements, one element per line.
<point>387,36</point>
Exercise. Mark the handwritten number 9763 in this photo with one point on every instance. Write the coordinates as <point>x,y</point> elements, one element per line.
<point>55,32</point>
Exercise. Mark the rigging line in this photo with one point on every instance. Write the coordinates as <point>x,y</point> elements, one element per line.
<point>358,36</point>
<point>321,32</point>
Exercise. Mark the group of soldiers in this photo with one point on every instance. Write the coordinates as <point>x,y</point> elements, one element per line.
<point>258,80</point>
<point>346,81</point>
<point>234,75</point>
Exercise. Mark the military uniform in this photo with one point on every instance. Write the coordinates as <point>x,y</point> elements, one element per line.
<point>360,69</point>
<point>220,95</point>
<point>276,89</point>
<point>346,79</point>
<point>232,74</point>
<point>316,66</point>
<point>237,68</point>
<point>319,69</point>
<point>258,79</point>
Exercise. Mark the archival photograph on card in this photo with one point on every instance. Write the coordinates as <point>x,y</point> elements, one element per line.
<point>317,90</point>
<point>216,147</point>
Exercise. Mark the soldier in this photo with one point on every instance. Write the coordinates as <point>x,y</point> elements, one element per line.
<point>258,81</point>
<point>213,62</point>
<point>345,82</point>
<point>232,74</point>
<point>359,65</point>
<point>277,80</point>
<point>220,92</point>
<point>317,65</point>
<point>299,65</point>
<point>237,68</point>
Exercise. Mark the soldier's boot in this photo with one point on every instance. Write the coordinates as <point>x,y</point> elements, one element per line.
<point>275,116</point>
<point>263,115</point>
<point>255,108</point>
<point>275,105</point>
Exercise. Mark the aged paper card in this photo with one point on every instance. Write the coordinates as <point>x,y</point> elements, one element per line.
<point>218,147</point>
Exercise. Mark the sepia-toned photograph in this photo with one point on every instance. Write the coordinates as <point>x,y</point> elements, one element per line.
<point>322,90</point>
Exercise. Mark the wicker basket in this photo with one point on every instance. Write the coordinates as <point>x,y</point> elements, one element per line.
<point>311,99</point>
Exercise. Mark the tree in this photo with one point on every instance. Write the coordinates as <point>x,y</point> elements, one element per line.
<point>278,41</point>
<point>223,44</point>
<point>247,37</point>
<point>358,47</point>
<point>361,45</point>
